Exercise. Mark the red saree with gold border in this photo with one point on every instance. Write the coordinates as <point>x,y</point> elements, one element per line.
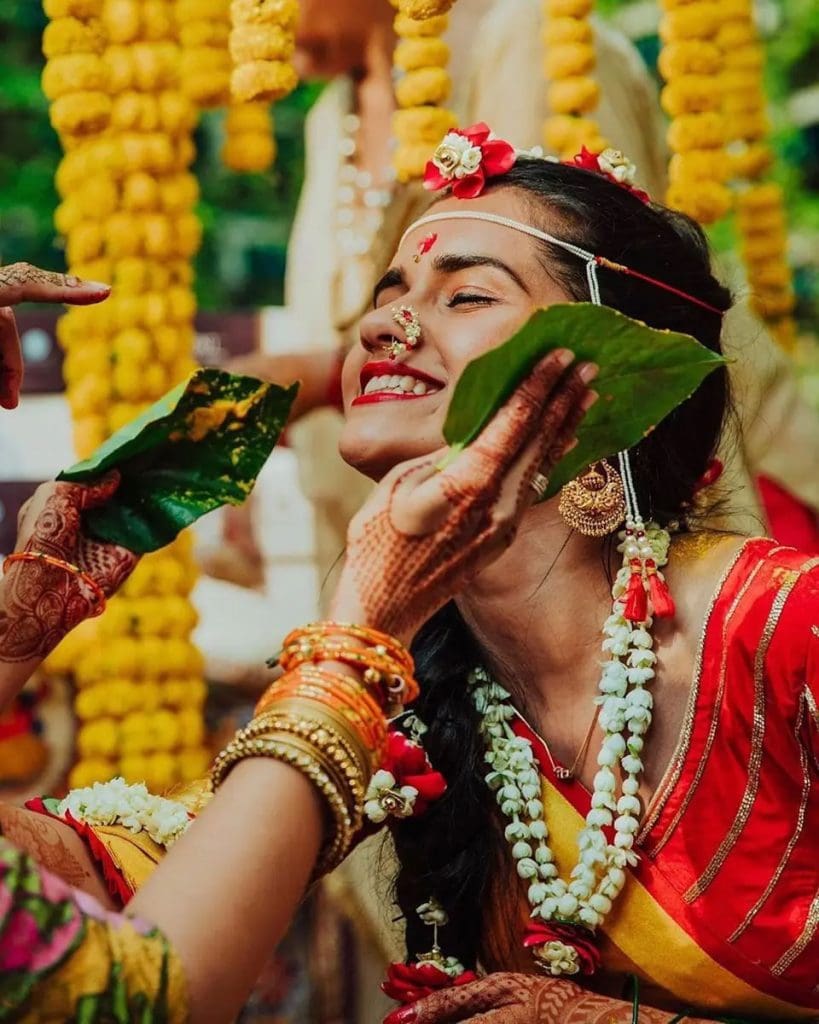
<point>722,913</point>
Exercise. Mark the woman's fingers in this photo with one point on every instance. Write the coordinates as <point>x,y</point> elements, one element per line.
<point>488,457</point>
<point>502,993</point>
<point>11,360</point>
<point>20,282</point>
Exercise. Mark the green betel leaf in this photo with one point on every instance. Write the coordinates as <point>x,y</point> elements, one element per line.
<point>644,375</point>
<point>199,447</point>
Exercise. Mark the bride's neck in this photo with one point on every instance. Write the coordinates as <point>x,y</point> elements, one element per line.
<point>539,609</point>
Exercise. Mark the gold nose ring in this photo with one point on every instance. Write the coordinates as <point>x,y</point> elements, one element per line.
<point>409,321</point>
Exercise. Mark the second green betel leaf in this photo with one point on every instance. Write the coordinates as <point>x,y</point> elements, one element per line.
<point>199,447</point>
<point>644,375</point>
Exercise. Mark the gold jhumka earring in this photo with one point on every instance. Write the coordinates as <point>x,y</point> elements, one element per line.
<point>595,503</point>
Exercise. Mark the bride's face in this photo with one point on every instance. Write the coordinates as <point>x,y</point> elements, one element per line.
<point>477,284</point>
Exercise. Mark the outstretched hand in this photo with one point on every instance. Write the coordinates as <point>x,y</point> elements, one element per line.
<point>424,533</point>
<point>524,999</point>
<point>20,282</point>
<point>42,602</point>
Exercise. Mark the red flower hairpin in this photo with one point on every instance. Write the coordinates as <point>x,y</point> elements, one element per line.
<point>466,159</point>
<point>612,164</point>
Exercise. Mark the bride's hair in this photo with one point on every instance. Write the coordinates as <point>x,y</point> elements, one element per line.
<point>456,850</point>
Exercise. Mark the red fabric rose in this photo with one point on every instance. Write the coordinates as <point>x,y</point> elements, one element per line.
<point>407,983</point>
<point>408,762</point>
<point>591,162</point>
<point>539,933</point>
<point>497,157</point>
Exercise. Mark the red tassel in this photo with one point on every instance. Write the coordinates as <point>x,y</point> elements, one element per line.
<point>636,608</point>
<point>662,602</point>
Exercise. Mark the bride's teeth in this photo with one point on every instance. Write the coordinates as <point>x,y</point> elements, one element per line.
<point>407,383</point>
<point>395,381</point>
<point>420,388</point>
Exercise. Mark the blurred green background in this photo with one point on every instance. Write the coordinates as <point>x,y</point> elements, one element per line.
<point>247,217</point>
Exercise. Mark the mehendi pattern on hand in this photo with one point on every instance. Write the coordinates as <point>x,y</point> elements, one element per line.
<point>42,602</point>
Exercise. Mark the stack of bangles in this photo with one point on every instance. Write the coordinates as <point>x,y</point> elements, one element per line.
<point>327,717</point>
<point>95,594</point>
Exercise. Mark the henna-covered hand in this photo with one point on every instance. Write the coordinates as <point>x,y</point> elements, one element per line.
<point>41,603</point>
<point>524,999</point>
<point>423,534</point>
<point>20,282</point>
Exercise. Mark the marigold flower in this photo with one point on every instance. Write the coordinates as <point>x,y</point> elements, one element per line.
<point>732,35</point>
<point>155,65</point>
<point>191,11</point>
<point>763,248</point>
<point>562,131</point>
<point>557,31</point>
<point>696,131</point>
<point>275,12</point>
<point>208,32</point>
<point>122,20</point>
<point>183,154</point>
<point>90,770</point>
<point>97,198</point>
<point>568,59</point>
<point>768,196</point>
<point>123,235</point>
<point>770,304</point>
<point>407,27</point>
<point>80,113</point>
<point>72,36</point>
<point>785,333</point>
<point>422,126</point>
<point>248,118</point>
<point>745,58</point>
<point>249,153</point>
<point>158,21</point>
<point>575,95</point>
<point>689,57</point>
<point>744,104</point>
<point>413,54</point>
<point>261,42</point>
<point>697,20</point>
<point>568,8</point>
<point>767,220</point>
<point>751,162</point>
<point>121,72</point>
<point>690,94</point>
<point>133,111</point>
<point>177,115</point>
<point>263,80</point>
<point>770,275</point>
<point>697,164</point>
<point>410,159</point>
<point>179,192</point>
<point>751,125</point>
<point>85,242</point>
<point>420,9</point>
<point>82,9</point>
<point>425,86</point>
<point>705,201</point>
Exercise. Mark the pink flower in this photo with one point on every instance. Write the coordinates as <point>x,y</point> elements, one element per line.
<point>541,933</point>
<point>466,159</point>
<point>613,165</point>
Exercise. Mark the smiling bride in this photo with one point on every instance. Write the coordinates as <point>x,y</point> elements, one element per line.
<point>607,793</point>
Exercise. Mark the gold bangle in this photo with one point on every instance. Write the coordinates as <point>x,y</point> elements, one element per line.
<point>290,752</point>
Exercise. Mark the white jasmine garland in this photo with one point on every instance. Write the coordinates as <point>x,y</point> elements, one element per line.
<point>625,716</point>
<point>130,805</point>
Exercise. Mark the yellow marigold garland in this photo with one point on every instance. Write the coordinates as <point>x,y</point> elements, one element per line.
<point>250,143</point>
<point>572,92</point>
<point>204,67</point>
<point>262,40</point>
<point>761,220</point>
<point>421,57</point>
<point>691,63</point>
<point>127,214</point>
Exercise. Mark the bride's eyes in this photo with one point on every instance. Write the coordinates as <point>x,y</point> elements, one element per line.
<point>469,299</point>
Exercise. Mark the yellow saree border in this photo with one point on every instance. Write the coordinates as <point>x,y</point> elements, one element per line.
<point>639,929</point>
